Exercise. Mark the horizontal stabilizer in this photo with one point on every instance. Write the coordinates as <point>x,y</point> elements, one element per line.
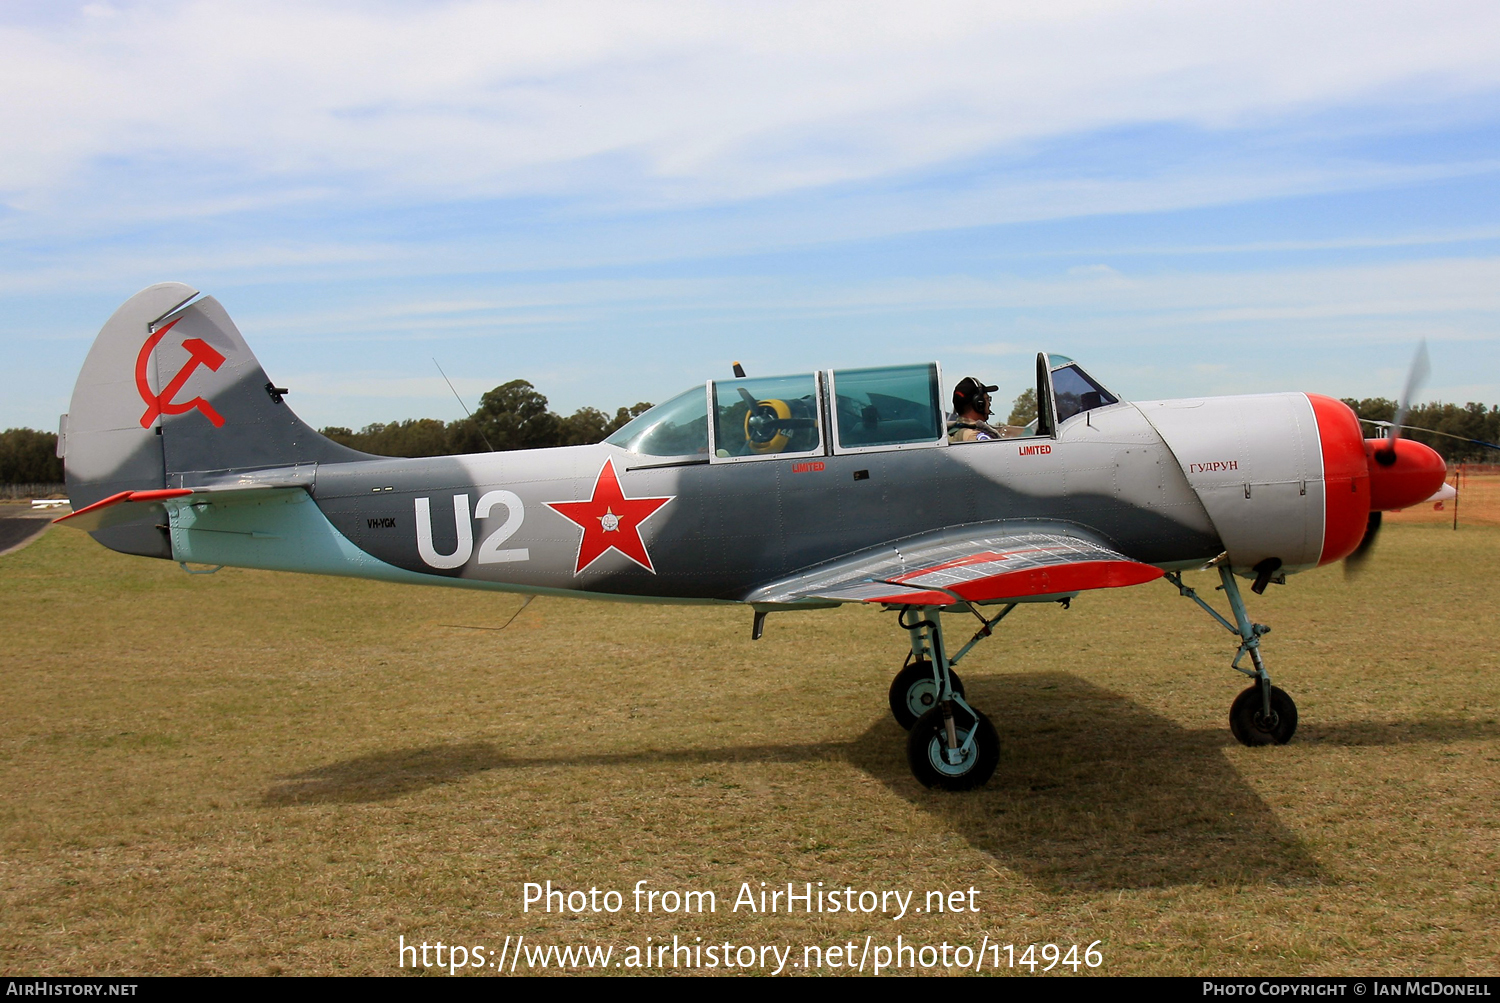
<point>131,506</point>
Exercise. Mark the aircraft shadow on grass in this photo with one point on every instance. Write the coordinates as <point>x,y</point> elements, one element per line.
<point>1433,729</point>
<point>1093,790</point>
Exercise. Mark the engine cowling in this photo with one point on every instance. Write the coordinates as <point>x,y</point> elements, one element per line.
<point>1288,480</point>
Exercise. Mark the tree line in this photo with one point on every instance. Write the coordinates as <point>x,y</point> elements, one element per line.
<point>511,416</point>
<point>29,457</point>
<point>1469,421</point>
<point>515,416</point>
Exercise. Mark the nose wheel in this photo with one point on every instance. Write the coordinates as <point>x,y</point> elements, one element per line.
<point>1252,725</point>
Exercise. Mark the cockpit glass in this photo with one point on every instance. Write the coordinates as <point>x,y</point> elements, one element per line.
<point>887,406</point>
<point>1076,392</point>
<point>678,427</point>
<point>766,416</point>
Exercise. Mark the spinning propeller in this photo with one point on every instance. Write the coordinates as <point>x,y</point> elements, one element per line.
<point>1354,564</point>
<point>1402,472</point>
<point>1415,377</point>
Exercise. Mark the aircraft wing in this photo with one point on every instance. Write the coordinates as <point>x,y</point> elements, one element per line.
<point>982,564</point>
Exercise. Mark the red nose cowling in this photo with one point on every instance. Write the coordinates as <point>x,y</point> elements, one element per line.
<point>1357,481</point>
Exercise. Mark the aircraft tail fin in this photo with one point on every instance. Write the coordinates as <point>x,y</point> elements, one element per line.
<point>170,390</point>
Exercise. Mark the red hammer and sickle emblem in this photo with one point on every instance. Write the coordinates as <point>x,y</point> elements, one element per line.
<point>200,353</point>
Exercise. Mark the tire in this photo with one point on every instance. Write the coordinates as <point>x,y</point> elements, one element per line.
<point>914,693</point>
<point>928,740</point>
<point>1248,722</point>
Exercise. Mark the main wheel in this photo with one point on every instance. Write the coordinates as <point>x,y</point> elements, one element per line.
<point>1248,721</point>
<point>914,692</point>
<point>928,741</point>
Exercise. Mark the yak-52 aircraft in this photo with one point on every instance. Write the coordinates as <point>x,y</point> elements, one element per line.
<point>780,493</point>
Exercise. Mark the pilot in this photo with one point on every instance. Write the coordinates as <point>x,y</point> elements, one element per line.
<point>971,421</point>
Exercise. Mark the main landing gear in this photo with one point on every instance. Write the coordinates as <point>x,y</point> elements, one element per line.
<point>1262,714</point>
<point>951,745</point>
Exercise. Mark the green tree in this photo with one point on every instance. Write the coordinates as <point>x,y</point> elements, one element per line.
<point>29,457</point>
<point>583,426</point>
<point>515,416</point>
<point>1023,409</point>
<point>412,437</point>
<point>625,414</point>
<point>588,425</point>
<point>511,416</point>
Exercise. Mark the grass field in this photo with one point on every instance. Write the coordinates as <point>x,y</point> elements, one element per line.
<point>259,773</point>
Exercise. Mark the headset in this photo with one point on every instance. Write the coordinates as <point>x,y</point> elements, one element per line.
<point>971,394</point>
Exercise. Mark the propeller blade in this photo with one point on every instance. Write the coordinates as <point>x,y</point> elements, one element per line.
<point>739,371</point>
<point>748,397</point>
<point>1416,376</point>
<point>1355,562</point>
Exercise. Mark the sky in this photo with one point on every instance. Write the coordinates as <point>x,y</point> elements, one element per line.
<point>616,200</point>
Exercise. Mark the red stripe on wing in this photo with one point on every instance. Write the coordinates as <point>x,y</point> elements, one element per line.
<point>1056,578</point>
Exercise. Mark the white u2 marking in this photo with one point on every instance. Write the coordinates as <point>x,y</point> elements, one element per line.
<point>489,550</point>
<point>515,514</point>
<point>465,547</point>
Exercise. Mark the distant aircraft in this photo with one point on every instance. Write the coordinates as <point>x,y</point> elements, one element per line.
<point>778,493</point>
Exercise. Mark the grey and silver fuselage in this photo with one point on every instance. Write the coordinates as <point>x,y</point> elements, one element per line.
<point>1169,484</point>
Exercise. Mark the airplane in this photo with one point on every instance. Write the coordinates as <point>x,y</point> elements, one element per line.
<point>777,493</point>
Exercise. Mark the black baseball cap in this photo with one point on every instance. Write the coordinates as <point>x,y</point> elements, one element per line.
<point>969,385</point>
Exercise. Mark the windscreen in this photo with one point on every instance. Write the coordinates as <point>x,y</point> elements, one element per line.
<point>1077,393</point>
<point>678,427</point>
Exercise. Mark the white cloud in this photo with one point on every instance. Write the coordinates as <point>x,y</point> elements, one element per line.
<point>192,136</point>
<point>667,101</point>
<point>1462,294</point>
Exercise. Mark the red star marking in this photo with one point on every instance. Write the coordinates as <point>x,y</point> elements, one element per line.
<point>610,521</point>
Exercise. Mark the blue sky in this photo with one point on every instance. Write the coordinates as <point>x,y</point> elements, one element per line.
<point>615,200</point>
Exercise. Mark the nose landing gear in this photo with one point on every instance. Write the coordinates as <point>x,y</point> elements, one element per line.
<point>1262,714</point>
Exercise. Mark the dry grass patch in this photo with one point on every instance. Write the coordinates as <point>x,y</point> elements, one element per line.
<point>1478,503</point>
<point>254,772</point>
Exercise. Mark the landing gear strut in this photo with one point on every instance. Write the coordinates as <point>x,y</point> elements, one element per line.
<point>1262,714</point>
<point>951,745</point>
